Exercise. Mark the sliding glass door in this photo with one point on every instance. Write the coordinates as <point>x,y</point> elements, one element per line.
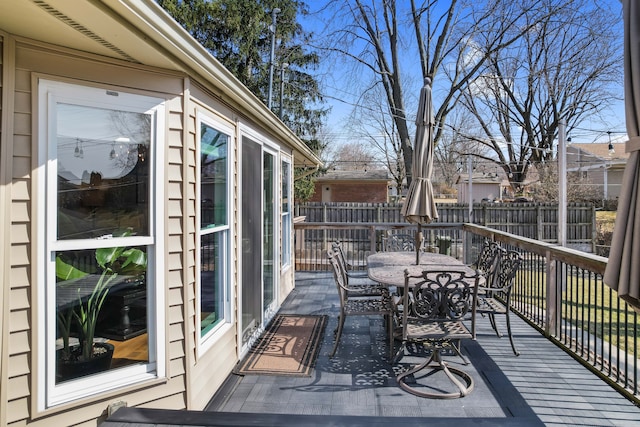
<point>251,239</point>
<point>259,250</point>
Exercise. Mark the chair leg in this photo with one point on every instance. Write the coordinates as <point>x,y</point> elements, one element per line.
<point>390,331</point>
<point>513,346</point>
<point>492,320</point>
<point>456,348</point>
<point>338,334</point>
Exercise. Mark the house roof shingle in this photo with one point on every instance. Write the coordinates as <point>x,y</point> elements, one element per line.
<point>601,150</point>
<point>355,175</point>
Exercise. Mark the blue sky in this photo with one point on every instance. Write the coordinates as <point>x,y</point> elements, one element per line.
<point>340,96</point>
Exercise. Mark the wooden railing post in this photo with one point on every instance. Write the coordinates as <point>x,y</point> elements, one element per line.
<point>551,314</point>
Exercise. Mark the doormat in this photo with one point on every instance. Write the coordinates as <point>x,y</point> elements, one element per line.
<point>289,347</point>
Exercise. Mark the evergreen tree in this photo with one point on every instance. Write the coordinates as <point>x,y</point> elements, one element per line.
<point>238,33</point>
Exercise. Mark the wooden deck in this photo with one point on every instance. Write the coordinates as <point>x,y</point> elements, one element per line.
<point>543,386</point>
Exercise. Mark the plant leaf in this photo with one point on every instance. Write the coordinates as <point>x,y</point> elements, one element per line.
<point>66,271</point>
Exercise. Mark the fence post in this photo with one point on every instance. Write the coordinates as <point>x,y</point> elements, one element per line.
<point>299,245</point>
<point>372,240</point>
<point>485,215</point>
<point>324,219</point>
<point>539,228</point>
<point>594,231</point>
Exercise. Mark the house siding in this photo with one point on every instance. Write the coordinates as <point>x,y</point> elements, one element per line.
<point>355,191</point>
<point>18,246</point>
<point>193,373</point>
<point>208,369</point>
<point>21,243</point>
<point>174,262</point>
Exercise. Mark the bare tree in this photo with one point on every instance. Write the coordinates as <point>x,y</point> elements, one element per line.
<point>352,156</point>
<point>578,188</point>
<point>562,68</point>
<point>376,37</point>
<point>371,123</point>
<point>453,150</point>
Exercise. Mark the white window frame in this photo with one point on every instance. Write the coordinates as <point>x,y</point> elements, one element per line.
<point>269,148</point>
<point>205,342</point>
<point>287,225</point>
<point>49,93</point>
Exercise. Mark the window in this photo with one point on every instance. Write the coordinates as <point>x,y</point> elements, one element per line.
<point>213,164</point>
<point>98,151</point>
<point>286,213</point>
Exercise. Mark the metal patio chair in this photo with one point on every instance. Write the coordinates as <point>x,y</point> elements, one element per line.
<point>435,305</point>
<point>359,306</point>
<point>494,296</point>
<point>488,259</point>
<point>357,284</point>
<point>351,271</point>
<point>399,243</point>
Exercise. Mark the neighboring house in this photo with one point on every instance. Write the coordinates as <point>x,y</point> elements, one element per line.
<point>484,186</point>
<point>118,130</point>
<point>369,186</point>
<point>597,165</point>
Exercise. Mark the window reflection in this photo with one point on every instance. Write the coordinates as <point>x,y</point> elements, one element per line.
<point>212,279</point>
<point>103,171</point>
<point>102,159</point>
<point>213,227</point>
<point>213,188</point>
<point>100,303</point>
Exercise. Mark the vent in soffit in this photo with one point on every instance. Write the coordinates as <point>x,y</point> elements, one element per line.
<point>81,29</point>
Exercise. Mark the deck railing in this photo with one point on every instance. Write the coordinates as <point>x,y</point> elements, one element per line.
<point>559,291</point>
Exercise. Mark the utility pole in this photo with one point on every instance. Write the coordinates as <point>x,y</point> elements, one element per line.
<point>283,67</point>
<point>272,28</point>
<point>470,170</point>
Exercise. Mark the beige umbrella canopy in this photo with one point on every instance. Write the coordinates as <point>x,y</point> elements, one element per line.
<point>623,269</point>
<point>419,206</point>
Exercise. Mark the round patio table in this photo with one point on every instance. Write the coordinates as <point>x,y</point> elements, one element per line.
<point>388,268</point>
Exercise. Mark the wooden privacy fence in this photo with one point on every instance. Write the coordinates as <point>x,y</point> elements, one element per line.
<point>537,221</point>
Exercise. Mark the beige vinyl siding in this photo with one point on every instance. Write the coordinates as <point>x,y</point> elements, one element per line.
<point>208,370</point>
<point>212,370</point>
<point>175,258</point>
<point>22,284</point>
<point>19,247</point>
<point>3,250</point>
<point>192,376</point>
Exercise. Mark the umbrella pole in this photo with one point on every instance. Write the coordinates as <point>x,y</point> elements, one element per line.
<point>418,243</point>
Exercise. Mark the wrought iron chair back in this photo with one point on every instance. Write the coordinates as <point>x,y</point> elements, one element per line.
<point>399,243</point>
<point>435,305</point>
<point>339,251</point>
<point>363,286</point>
<point>488,259</point>
<point>494,296</point>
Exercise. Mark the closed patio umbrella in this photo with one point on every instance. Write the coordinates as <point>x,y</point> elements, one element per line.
<point>419,206</point>
<point>623,269</point>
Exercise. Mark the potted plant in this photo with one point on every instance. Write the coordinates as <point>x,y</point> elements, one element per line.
<point>90,357</point>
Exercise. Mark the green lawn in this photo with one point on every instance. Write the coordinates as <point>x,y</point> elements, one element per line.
<point>592,306</point>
